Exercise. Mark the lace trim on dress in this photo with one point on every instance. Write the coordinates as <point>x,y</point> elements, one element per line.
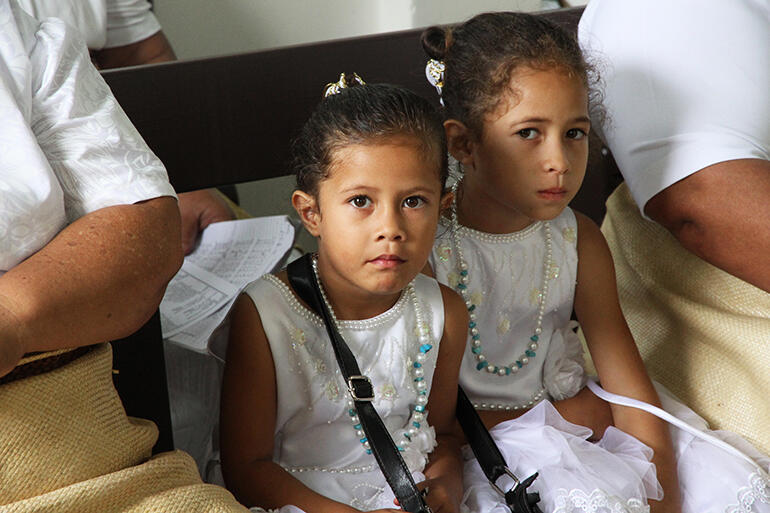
<point>598,501</point>
<point>377,321</point>
<point>757,492</point>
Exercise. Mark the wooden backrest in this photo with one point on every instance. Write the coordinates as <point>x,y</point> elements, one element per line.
<point>228,120</point>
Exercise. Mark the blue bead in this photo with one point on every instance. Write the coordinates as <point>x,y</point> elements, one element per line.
<point>462,286</point>
<point>507,371</point>
<point>368,451</point>
<point>425,348</point>
<point>357,426</point>
<point>471,308</point>
<point>351,412</point>
<point>475,337</point>
<point>519,364</point>
<point>423,392</point>
<point>419,408</point>
<point>416,365</point>
<point>364,440</point>
<point>475,350</point>
<point>534,338</point>
<point>530,353</point>
<point>464,272</point>
<point>472,324</point>
<point>419,379</point>
<point>481,365</point>
<point>400,449</point>
<point>407,436</point>
<point>416,424</point>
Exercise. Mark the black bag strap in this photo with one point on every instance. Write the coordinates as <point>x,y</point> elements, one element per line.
<point>302,280</point>
<point>491,460</point>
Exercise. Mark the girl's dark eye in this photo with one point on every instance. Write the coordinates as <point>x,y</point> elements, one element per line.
<point>575,133</point>
<point>527,133</point>
<point>360,202</point>
<point>413,202</point>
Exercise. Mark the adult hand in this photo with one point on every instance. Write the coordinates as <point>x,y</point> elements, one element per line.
<point>199,209</point>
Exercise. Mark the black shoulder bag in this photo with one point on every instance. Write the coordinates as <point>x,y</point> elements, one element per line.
<point>302,280</point>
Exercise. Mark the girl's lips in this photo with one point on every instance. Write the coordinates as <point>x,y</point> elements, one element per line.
<point>387,261</point>
<point>554,193</point>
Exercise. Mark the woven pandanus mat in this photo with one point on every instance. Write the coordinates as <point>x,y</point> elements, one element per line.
<point>702,332</point>
<point>66,425</point>
<point>168,483</point>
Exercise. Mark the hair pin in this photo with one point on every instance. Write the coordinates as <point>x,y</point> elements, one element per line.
<point>434,72</point>
<point>335,87</point>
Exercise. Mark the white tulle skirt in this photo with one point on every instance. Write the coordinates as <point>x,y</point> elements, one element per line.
<point>574,474</point>
<point>615,474</point>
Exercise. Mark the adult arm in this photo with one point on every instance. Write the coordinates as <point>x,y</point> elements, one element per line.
<point>199,208</point>
<point>99,279</point>
<point>722,214</point>
<point>155,48</point>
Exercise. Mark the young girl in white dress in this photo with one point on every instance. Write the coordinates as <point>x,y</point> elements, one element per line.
<point>371,169</point>
<point>516,94</point>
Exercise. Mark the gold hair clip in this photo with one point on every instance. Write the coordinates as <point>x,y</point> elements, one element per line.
<point>335,87</point>
<point>434,72</point>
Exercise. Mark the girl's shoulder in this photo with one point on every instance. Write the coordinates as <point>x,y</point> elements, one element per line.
<point>272,294</point>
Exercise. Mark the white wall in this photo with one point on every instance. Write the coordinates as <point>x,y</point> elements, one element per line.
<point>204,28</point>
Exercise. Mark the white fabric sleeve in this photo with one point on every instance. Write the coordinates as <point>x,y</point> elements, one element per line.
<point>129,21</point>
<point>685,85</point>
<point>96,153</point>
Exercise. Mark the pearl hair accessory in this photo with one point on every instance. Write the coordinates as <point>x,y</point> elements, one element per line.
<point>462,288</point>
<point>434,72</point>
<point>335,87</point>
<point>419,411</point>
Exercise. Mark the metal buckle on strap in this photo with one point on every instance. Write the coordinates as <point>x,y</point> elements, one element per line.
<point>507,472</point>
<point>360,388</point>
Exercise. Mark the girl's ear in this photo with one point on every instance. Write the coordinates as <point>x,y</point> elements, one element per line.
<point>446,201</point>
<point>307,208</point>
<point>459,143</point>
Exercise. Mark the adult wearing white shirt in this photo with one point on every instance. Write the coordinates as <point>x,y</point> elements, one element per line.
<point>688,121</point>
<point>122,33</point>
<point>89,237</point>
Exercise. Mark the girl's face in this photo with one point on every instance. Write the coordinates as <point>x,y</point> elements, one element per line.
<point>532,155</point>
<point>375,217</point>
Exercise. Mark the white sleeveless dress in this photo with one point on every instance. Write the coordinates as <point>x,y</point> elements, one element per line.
<point>317,439</point>
<point>506,274</point>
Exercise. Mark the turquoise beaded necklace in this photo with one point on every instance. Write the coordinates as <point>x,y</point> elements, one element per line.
<point>462,287</point>
<point>417,418</point>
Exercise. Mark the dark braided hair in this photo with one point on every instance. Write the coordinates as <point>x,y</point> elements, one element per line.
<point>365,114</point>
<point>482,54</point>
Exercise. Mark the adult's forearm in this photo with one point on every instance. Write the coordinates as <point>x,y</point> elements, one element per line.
<point>155,48</point>
<point>722,214</point>
<point>99,279</point>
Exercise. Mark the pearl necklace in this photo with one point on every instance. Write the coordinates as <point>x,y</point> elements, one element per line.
<point>418,412</point>
<point>462,288</point>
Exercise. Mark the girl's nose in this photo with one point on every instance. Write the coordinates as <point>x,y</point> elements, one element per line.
<point>556,160</point>
<point>391,226</point>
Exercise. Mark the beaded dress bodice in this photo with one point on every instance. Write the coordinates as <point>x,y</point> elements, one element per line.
<point>317,436</point>
<point>505,274</point>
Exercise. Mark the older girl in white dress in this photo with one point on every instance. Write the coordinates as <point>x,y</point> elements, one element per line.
<point>516,93</point>
<point>371,167</point>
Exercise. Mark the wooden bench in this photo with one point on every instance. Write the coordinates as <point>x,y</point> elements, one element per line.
<point>228,120</point>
